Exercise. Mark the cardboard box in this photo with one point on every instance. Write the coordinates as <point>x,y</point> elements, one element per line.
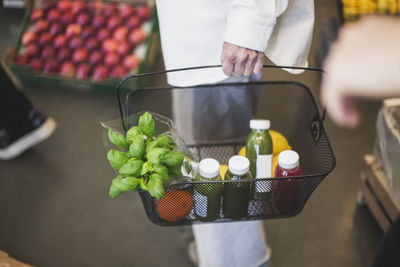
<point>6,261</point>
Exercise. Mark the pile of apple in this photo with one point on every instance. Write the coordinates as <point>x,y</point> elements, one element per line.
<point>84,40</point>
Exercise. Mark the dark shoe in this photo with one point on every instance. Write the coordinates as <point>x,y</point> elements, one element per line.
<point>37,128</point>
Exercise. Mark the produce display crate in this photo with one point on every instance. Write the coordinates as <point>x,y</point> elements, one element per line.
<point>376,194</point>
<point>292,111</point>
<point>351,10</point>
<point>25,76</point>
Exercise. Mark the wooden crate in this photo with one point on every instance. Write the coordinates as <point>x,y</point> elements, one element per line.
<point>375,192</point>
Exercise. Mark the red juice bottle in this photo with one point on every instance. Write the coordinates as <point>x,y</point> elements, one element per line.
<point>287,192</point>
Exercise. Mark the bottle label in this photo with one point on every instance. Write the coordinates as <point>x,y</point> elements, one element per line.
<point>264,170</point>
<point>200,204</point>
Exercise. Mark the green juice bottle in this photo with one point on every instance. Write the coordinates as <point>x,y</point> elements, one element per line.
<point>259,153</point>
<point>236,195</point>
<point>207,197</point>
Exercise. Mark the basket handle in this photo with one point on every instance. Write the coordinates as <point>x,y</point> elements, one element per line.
<point>129,77</point>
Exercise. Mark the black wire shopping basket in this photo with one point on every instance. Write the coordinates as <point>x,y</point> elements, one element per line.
<point>213,120</point>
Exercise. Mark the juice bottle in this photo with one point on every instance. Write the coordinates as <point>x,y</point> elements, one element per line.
<point>236,195</point>
<point>207,197</point>
<point>287,192</point>
<point>259,153</point>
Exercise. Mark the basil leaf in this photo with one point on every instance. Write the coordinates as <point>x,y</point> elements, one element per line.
<point>163,141</point>
<point>120,185</point>
<point>146,168</point>
<point>132,167</point>
<point>175,171</point>
<point>162,171</point>
<point>118,139</point>
<point>147,125</point>
<point>155,155</point>
<point>155,186</point>
<point>137,148</point>
<point>133,132</point>
<point>143,185</point>
<point>116,158</point>
<point>173,158</point>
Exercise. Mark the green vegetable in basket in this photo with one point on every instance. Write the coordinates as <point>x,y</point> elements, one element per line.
<point>116,158</point>
<point>173,159</point>
<point>155,186</point>
<point>133,132</point>
<point>137,148</point>
<point>132,167</point>
<point>121,184</point>
<point>155,155</point>
<point>147,125</point>
<point>118,139</point>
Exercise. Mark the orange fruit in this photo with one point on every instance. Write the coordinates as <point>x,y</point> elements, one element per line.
<point>175,205</point>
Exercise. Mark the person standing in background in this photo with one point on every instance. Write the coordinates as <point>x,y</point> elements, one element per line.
<point>238,34</point>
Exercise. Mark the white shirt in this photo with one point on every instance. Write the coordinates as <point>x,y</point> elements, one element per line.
<point>193,32</point>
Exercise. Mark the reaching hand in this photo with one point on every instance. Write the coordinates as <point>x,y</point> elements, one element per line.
<point>364,62</point>
<point>240,61</point>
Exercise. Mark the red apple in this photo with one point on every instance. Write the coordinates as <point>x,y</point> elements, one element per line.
<point>45,38</point>
<point>53,15</point>
<point>22,59</point>
<point>103,34</point>
<point>143,12</point>
<point>91,44</point>
<point>118,72</point>
<point>120,33</point>
<point>109,45</point>
<point>73,29</point>
<point>96,6</point>
<point>133,22</point>
<point>113,22</point>
<point>80,55</point>
<point>60,41</point>
<point>126,10</point>
<point>51,65</point>
<point>78,7</point>
<point>82,71</point>
<point>67,69</point>
<point>36,63</point>
<point>37,14</point>
<point>32,50</point>
<point>63,54</point>
<point>67,18</point>
<point>55,29</point>
<point>75,42</point>
<point>87,32</point>
<point>137,36</point>
<point>46,5</point>
<point>48,52</point>
<point>100,73</point>
<point>111,59</point>
<point>83,19</point>
<point>123,48</point>
<point>131,62</point>
<point>110,9</point>
<point>98,21</point>
<point>95,58</point>
<point>64,5</point>
<point>28,37</point>
<point>41,25</point>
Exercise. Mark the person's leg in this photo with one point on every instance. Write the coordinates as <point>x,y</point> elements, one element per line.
<point>21,126</point>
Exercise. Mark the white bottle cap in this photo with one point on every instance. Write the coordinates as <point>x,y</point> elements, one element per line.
<point>209,168</point>
<point>288,159</point>
<point>238,165</point>
<point>260,124</point>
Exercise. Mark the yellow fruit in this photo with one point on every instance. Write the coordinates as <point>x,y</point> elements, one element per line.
<point>279,142</point>
<point>222,170</point>
<point>274,164</point>
<point>242,152</point>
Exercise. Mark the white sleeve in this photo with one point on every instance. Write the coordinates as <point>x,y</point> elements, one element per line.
<point>250,23</point>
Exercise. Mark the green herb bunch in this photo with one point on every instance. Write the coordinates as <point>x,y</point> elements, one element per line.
<point>146,161</point>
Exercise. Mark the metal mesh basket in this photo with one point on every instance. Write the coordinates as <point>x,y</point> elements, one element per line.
<point>216,126</point>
